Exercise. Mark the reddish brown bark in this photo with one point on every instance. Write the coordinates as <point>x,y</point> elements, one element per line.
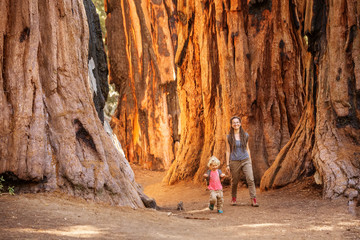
<point>50,134</point>
<point>249,66</point>
<point>140,40</point>
<point>328,134</point>
<point>290,69</point>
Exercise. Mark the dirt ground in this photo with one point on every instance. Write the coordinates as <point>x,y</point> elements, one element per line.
<point>294,212</point>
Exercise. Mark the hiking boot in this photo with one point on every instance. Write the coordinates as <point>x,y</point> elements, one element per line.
<point>211,206</point>
<point>233,201</point>
<point>254,203</point>
<point>220,211</point>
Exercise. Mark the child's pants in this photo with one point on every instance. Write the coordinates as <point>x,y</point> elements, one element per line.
<point>216,196</point>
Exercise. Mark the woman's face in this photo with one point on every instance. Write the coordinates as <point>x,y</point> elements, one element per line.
<point>235,123</point>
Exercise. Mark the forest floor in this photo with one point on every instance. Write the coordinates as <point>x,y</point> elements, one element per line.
<point>293,212</point>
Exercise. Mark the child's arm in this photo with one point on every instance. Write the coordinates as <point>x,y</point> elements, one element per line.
<point>222,175</point>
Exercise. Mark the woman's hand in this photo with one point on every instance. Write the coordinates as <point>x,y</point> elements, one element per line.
<point>228,169</point>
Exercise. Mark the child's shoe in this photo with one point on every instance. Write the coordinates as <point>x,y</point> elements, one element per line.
<point>211,206</point>
<point>254,203</point>
<point>233,201</point>
<point>220,211</point>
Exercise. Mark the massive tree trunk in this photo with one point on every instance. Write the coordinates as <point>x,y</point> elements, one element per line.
<point>50,134</point>
<point>236,59</point>
<point>232,59</point>
<point>328,134</point>
<point>288,68</point>
<point>141,38</point>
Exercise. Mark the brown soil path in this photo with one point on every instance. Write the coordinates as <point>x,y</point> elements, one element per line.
<point>295,212</point>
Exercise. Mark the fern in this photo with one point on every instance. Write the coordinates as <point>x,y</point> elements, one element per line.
<point>10,189</point>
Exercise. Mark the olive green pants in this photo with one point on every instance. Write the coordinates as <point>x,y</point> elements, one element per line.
<point>216,196</point>
<point>246,167</point>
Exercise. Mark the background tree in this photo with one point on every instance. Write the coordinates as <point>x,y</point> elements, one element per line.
<point>141,57</point>
<point>50,134</point>
<point>98,69</point>
<point>100,10</point>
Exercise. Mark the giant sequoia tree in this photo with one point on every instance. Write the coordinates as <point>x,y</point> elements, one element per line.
<point>141,57</point>
<point>246,62</point>
<point>328,134</point>
<point>229,61</point>
<point>50,134</point>
<point>288,68</point>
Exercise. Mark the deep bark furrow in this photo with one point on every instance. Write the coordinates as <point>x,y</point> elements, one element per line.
<point>142,65</point>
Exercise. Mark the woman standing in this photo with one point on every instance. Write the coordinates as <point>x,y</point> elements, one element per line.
<point>238,159</point>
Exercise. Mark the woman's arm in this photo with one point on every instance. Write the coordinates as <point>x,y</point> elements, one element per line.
<point>248,150</point>
<point>227,154</point>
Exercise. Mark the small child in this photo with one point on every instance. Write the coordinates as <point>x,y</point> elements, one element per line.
<point>213,177</point>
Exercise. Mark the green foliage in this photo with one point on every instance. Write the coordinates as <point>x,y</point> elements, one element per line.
<point>10,189</point>
<point>1,181</point>
<point>111,102</point>
<point>99,4</point>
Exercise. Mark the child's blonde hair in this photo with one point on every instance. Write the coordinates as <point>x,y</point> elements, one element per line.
<point>213,160</point>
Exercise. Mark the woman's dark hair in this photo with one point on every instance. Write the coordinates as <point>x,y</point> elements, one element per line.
<point>231,136</point>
